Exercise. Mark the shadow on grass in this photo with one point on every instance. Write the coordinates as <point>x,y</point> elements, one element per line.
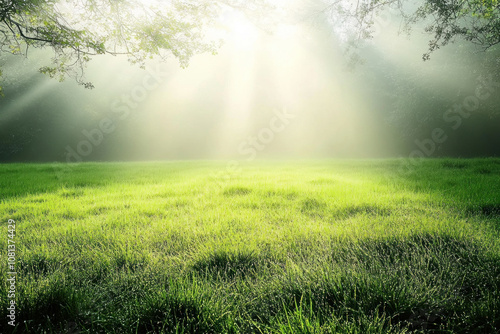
<point>227,265</point>
<point>237,191</point>
<point>45,310</point>
<point>422,283</point>
<point>312,207</point>
<point>487,210</point>
<point>187,306</point>
<point>370,210</point>
<point>426,283</point>
<point>20,180</point>
<point>471,187</point>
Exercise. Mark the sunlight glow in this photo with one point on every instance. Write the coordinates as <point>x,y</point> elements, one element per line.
<point>240,31</point>
<point>220,104</point>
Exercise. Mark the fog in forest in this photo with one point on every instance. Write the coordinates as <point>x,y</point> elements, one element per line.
<point>286,90</point>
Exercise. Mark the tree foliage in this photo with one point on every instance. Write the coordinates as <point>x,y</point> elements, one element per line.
<point>79,29</point>
<point>475,21</point>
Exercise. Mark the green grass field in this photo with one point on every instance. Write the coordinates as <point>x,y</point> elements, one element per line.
<point>303,247</point>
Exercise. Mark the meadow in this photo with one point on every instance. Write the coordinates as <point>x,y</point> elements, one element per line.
<point>273,247</point>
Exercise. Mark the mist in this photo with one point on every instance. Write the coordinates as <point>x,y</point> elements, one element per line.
<point>288,91</point>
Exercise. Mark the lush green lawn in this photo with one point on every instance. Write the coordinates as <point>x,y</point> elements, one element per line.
<point>304,247</point>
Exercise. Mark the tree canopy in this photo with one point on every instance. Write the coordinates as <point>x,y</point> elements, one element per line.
<point>475,21</point>
<point>78,30</point>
